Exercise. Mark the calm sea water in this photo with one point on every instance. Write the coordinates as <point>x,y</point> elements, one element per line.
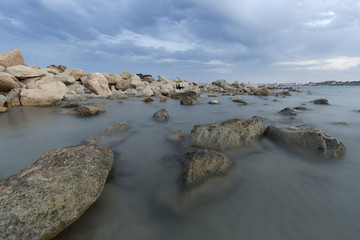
<point>270,193</point>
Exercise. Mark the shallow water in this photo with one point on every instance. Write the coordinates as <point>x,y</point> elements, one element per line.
<point>270,193</point>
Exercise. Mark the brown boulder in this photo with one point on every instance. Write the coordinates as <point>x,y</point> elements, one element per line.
<point>11,58</point>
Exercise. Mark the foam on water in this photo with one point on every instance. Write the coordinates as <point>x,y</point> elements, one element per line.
<point>270,193</point>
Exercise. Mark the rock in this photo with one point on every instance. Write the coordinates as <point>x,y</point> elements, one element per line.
<point>146,92</point>
<point>176,137</point>
<point>214,102</point>
<point>238,100</point>
<point>22,72</point>
<point>41,98</point>
<point>163,99</point>
<point>288,111</point>
<point>76,73</point>
<point>148,79</point>
<point>264,91</point>
<point>85,110</point>
<point>199,165</point>
<point>3,109</point>
<point>117,128</point>
<point>13,98</point>
<point>60,68</point>
<point>226,135</point>
<point>162,78</point>
<point>126,75</point>
<point>161,115</point>
<point>8,82</point>
<point>71,105</point>
<point>221,83</point>
<point>123,85</point>
<point>283,93</point>
<point>3,100</point>
<point>321,101</point>
<point>78,88</point>
<point>135,81</point>
<point>212,95</point>
<point>301,108</point>
<point>76,98</point>
<point>118,95</point>
<point>276,100</point>
<point>148,100</point>
<point>43,199</point>
<point>188,101</point>
<point>97,83</point>
<point>115,134</point>
<point>65,78</point>
<point>309,139</point>
<point>112,78</point>
<point>49,86</point>
<point>11,58</point>
<point>2,68</point>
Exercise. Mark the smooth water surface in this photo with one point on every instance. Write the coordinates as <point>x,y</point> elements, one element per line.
<point>270,193</point>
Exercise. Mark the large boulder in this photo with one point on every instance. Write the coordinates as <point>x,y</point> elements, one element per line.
<point>76,73</point>
<point>43,199</point>
<point>309,139</point>
<point>8,82</point>
<point>13,98</point>
<point>264,91</point>
<point>97,83</point>
<point>135,81</point>
<point>221,83</point>
<point>11,58</point>
<point>112,78</point>
<point>202,164</point>
<point>40,98</point>
<point>49,84</point>
<point>23,72</point>
<point>321,101</point>
<point>226,135</point>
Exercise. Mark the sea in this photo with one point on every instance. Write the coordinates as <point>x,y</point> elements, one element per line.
<point>271,192</point>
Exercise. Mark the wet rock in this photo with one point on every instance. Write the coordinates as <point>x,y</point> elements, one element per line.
<point>13,98</point>
<point>40,98</point>
<point>228,134</point>
<point>161,115</point>
<point>176,137</point>
<point>85,110</point>
<point>264,91</point>
<point>199,165</point>
<point>288,111</point>
<point>115,134</point>
<point>8,82</point>
<point>301,108</point>
<point>11,58</point>
<point>212,95</point>
<point>163,99</point>
<point>117,95</point>
<point>276,100</point>
<point>3,109</point>
<point>118,128</point>
<point>238,100</point>
<point>283,93</point>
<point>71,105</point>
<point>23,72</point>
<point>76,98</point>
<point>309,139</point>
<point>148,100</point>
<point>321,101</point>
<point>43,199</point>
<point>214,102</point>
<point>97,83</point>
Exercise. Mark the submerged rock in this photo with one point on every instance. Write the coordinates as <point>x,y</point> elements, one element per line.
<point>228,134</point>
<point>43,199</point>
<point>201,164</point>
<point>161,115</point>
<point>264,91</point>
<point>238,99</point>
<point>309,139</point>
<point>176,137</point>
<point>148,100</point>
<point>85,110</point>
<point>114,134</point>
<point>288,111</point>
<point>321,101</point>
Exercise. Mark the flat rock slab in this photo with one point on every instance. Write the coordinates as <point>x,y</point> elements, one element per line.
<point>225,135</point>
<point>310,139</point>
<point>43,199</point>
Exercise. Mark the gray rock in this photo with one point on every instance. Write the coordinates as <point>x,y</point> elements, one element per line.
<point>115,134</point>
<point>3,100</point>
<point>13,98</point>
<point>161,115</point>
<point>321,101</point>
<point>76,73</point>
<point>78,88</point>
<point>221,83</point>
<point>288,111</point>
<point>264,91</point>
<point>65,78</point>
<point>43,199</point>
<point>85,110</point>
<point>199,165</point>
<point>227,135</point>
<point>76,98</point>
<point>3,109</point>
<point>310,139</point>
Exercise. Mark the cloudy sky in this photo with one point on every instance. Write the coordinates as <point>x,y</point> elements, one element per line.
<point>196,40</point>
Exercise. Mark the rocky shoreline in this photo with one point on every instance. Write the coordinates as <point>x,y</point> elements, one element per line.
<point>43,199</point>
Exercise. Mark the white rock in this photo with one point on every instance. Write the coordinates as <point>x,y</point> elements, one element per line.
<point>39,97</point>
<point>22,72</point>
<point>97,83</point>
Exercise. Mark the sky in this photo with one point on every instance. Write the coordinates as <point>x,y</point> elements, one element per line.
<point>256,41</point>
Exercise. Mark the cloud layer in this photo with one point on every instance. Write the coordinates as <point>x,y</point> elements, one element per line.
<point>252,40</point>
